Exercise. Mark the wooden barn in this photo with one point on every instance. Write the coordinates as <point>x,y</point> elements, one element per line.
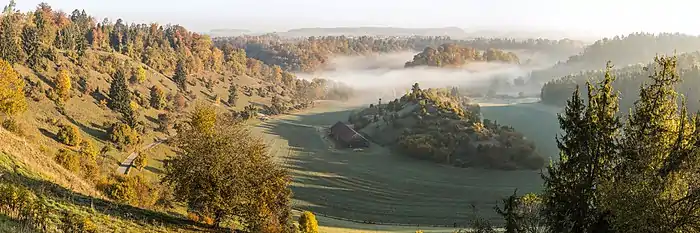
<point>345,135</point>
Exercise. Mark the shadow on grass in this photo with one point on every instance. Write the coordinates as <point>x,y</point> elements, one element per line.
<point>154,170</point>
<point>48,134</point>
<point>120,211</point>
<point>375,185</point>
<point>94,132</point>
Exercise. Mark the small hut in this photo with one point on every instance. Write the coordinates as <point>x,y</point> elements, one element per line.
<point>347,136</point>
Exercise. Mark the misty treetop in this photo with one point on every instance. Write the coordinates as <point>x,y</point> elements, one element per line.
<point>453,55</point>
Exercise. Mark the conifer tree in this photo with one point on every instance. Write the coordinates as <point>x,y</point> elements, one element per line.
<point>31,45</point>
<point>232,95</point>
<point>119,94</point>
<point>588,149</point>
<point>180,77</point>
<point>10,33</point>
<point>158,100</point>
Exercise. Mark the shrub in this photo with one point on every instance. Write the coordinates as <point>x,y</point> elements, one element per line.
<point>132,190</point>
<point>308,223</point>
<point>12,125</point>
<point>123,135</point>
<point>87,149</point>
<point>140,161</point>
<point>158,100</point>
<point>164,122</point>
<point>68,159</point>
<point>75,223</point>
<point>69,135</point>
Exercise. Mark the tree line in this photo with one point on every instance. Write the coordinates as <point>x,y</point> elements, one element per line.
<point>310,54</point>
<point>628,80</point>
<point>632,49</point>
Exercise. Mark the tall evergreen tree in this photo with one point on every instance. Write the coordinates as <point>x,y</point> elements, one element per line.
<point>10,33</point>
<point>31,45</point>
<point>588,149</point>
<point>119,94</point>
<point>232,95</point>
<point>655,185</point>
<point>180,77</point>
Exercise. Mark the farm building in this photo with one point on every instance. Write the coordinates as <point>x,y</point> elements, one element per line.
<point>347,136</point>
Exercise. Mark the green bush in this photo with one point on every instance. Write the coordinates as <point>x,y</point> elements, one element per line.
<point>123,135</point>
<point>132,190</point>
<point>68,159</point>
<point>141,161</point>
<point>75,223</point>
<point>308,223</point>
<point>12,125</point>
<point>88,149</point>
<point>69,135</point>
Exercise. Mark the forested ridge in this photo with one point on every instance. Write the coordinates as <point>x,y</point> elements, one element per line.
<point>628,80</point>
<point>632,49</point>
<point>311,54</point>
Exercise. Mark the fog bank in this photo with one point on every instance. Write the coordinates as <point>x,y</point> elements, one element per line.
<point>383,76</point>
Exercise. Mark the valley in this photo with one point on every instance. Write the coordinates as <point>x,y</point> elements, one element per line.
<point>376,186</point>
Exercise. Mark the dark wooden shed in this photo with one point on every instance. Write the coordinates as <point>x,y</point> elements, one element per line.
<point>347,136</point>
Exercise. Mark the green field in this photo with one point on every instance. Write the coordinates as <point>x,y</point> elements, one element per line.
<point>375,185</point>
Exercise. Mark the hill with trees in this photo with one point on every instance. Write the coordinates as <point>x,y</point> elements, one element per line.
<point>78,95</point>
<point>441,126</point>
<point>627,80</point>
<point>627,50</point>
<point>452,55</point>
<point>312,53</point>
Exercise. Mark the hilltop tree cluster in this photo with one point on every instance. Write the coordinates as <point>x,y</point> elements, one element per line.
<point>439,125</point>
<point>453,55</point>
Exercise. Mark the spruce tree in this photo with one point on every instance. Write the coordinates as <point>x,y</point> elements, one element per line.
<point>587,151</point>
<point>232,95</point>
<point>119,94</point>
<point>655,182</point>
<point>158,100</point>
<point>31,45</point>
<point>180,77</point>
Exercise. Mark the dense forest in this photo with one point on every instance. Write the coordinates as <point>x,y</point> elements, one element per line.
<point>628,80</point>
<point>452,55</point>
<point>311,54</point>
<point>632,49</point>
<point>442,126</point>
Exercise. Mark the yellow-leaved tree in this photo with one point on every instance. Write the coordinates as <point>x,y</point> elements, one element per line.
<point>308,223</point>
<point>12,99</point>
<point>63,84</point>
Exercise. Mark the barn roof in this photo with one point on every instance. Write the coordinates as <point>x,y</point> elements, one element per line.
<point>345,132</point>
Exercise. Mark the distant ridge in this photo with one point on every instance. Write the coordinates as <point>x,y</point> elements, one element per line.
<point>228,32</point>
<point>374,31</point>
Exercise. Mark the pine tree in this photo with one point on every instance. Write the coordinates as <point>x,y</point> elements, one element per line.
<point>10,33</point>
<point>31,45</point>
<point>232,95</point>
<point>588,149</point>
<point>158,100</point>
<point>12,100</point>
<point>119,94</point>
<point>655,182</point>
<point>180,77</point>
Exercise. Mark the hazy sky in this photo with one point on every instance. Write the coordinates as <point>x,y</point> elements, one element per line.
<point>602,16</point>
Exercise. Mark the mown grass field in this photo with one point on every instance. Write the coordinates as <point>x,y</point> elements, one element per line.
<point>377,186</point>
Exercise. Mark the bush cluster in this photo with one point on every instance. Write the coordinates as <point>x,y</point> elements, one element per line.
<point>69,135</point>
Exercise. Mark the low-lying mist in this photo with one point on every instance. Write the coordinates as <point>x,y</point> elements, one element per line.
<point>384,76</point>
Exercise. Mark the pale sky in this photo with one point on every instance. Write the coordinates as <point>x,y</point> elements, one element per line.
<point>606,17</point>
